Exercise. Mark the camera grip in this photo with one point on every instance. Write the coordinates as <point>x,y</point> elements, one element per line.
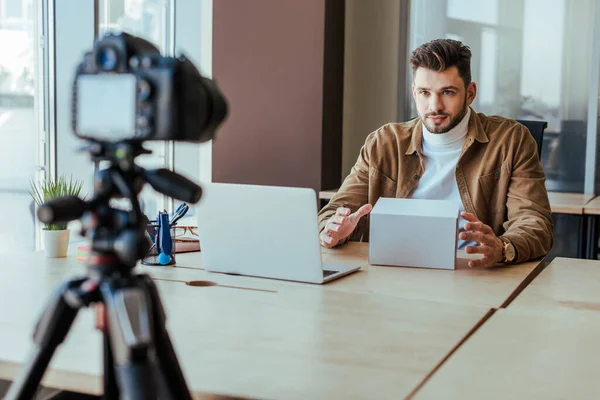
<point>173,185</point>
<point>62,209</point>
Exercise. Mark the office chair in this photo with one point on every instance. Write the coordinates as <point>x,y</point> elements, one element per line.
<point>536,128</point>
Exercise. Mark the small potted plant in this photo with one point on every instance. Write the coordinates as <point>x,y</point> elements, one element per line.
<point>55,236</point>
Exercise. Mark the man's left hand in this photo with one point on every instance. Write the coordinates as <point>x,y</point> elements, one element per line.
<point>489,245</point>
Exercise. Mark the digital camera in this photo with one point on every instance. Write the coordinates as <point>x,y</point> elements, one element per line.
<point>125,90</point>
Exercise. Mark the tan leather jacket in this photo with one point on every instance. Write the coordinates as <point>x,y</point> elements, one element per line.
<point>500,179</point>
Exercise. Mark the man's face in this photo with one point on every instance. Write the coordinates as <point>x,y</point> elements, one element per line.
<point>441,98</point>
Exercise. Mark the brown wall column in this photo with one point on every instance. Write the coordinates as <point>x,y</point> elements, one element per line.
<point>280,64</point>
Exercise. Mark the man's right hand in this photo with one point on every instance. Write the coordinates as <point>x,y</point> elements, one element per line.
<point>341,225</point>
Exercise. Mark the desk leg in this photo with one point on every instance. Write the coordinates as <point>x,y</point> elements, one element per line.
<point>582,240</point>
<point>592,237</point>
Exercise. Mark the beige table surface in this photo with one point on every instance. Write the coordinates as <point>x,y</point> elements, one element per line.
<point>565,283</point>
<point>520,354</point>
<point>491,287</point>
<point>326,194</point>
<point>298,341</point>
<point>592,207</point>
<point>568,203</point>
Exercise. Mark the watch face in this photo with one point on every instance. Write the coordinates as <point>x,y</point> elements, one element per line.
<point>510,252</point>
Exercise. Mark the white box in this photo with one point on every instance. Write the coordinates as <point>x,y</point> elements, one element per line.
<point>414,233</point>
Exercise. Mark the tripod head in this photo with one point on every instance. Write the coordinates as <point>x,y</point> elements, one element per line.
<point>117,236</point>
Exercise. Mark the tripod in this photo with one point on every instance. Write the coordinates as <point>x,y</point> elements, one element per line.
<point>139,359</point>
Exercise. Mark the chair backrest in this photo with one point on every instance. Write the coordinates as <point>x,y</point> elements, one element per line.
<point>536,128</point>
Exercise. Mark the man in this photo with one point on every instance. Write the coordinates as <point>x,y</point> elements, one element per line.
<point>488,165</point>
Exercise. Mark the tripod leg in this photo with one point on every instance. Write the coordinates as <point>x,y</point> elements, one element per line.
<point>131,341</point>
<point>111,391</point>
<point>167,359</point>
<point>50,331</point>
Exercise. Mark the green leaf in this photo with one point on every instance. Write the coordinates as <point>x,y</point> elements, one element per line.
<point>51,189</point>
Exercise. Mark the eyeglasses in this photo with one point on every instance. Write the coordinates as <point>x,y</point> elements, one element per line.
<point>182,230</point>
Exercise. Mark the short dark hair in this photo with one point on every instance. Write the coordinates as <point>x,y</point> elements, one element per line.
<point>441,54</point>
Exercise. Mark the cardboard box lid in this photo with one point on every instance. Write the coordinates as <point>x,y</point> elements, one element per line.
<point>416,207</point>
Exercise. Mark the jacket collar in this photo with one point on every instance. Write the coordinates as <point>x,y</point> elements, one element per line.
<point>475,130</point>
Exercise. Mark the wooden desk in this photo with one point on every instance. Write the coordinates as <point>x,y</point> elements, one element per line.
<point>523,355</point>
<point>491,287</point>
<point>592,207</point>
<point>568,203</point>
<point>592,213</point>
<point>573,204</point>
<point>291,343</point>
<point>327,194</point>
<point>565,283</point>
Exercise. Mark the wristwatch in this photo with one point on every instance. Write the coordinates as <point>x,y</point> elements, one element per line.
<point>508,251</point>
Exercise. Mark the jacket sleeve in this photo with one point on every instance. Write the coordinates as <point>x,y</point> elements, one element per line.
<point>529,226</point>
<point>354,191</point>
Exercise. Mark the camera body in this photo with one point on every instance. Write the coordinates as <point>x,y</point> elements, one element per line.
<point>124,89</point>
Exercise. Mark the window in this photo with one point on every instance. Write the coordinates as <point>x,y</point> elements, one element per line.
<point>35,95</point>
<point>531,60</point>
<point>13,8</point>
<point>19,128</point>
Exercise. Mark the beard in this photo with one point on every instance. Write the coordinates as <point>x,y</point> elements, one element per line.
<point>453,121</point>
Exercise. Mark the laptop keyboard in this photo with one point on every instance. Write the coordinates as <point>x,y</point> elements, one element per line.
<point>327,272</point>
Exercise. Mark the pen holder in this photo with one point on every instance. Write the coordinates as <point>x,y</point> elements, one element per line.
<point>152,257</point>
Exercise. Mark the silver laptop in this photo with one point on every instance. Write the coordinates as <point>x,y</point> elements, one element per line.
<point>264,231</point>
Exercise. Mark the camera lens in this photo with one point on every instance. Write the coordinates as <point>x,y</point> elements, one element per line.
<point>107,58</point>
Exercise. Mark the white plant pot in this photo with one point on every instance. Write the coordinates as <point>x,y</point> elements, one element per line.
<point>55,242</point>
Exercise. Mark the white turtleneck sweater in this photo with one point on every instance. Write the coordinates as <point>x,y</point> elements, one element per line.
<point>440,156</point>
